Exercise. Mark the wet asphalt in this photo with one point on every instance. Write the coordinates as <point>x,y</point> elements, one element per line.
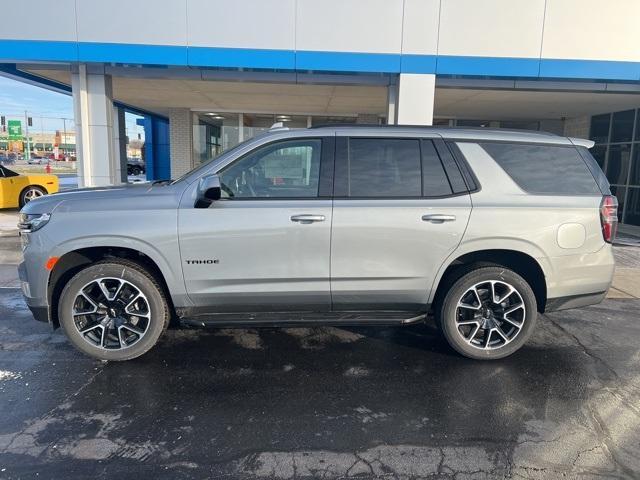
<point>331,403</point>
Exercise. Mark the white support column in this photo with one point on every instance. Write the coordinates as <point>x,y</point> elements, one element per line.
<point>392,104</point>
<point>181,139</point>
<point>93,111</point>
<point>120,145</point>
<point>416,94</point>
<point>240,127</point>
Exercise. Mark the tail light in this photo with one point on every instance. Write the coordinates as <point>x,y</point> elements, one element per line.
<point>609,217</point>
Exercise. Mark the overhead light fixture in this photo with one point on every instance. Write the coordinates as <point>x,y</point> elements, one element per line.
<point>218,117</point>
<point>211,114</point>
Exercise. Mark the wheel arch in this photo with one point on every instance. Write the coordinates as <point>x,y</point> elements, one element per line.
<point>71,262</point>
<point>29,185</point>
<point>524,264</point>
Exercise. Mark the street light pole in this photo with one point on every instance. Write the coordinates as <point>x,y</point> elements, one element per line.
<point>64,139</point>
<point>26,126</point>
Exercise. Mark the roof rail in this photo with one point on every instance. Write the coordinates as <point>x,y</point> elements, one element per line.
<point>582,142</point>
<point>433,127</point>
<point>278,126</point>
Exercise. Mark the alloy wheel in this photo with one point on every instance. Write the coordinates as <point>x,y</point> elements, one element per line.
<point>32,193</point>
<point>490,314</point>
<point>111,313</point>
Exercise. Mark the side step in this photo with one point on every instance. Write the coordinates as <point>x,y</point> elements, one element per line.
<point>296,319</point>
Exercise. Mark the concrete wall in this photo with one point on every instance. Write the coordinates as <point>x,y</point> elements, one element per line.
<point>548,38</point>
<point>577,127</point>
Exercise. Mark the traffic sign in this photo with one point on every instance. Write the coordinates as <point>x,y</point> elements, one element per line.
<point>14,129</point>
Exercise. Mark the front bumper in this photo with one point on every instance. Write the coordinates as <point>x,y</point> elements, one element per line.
<point>37,304</point>
<point>41,314</point>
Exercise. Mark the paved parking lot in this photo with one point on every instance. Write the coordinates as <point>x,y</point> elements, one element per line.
<point>327,403</point>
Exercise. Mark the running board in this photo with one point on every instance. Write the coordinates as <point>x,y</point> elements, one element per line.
<point>291,319</point>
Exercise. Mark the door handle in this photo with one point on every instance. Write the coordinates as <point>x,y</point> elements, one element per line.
<point>307,218</point>
<point>438,218</point>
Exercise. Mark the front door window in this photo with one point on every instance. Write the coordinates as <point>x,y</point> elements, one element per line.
<point>289,169</point>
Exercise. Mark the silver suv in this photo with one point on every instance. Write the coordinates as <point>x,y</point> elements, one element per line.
<point>341,225</point>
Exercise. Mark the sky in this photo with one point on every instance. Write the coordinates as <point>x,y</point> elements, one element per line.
<point>46,108</point>
<point>16,97</point>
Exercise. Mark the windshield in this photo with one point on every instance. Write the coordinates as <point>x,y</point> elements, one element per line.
<point>203,166</point>
<point>5,172</point>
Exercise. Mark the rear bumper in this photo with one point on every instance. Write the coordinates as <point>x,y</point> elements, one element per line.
<point>574,301</point>
<point>573,279</point>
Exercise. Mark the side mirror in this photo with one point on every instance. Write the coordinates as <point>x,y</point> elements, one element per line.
<point>208,191</point>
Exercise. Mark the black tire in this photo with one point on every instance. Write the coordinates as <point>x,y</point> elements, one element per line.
<point>137,276</point>
<point>447,314</point>
<point>24,194</point>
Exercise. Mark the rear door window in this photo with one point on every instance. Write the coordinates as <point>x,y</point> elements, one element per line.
<point>434,180</point>
<point>389,168</point>
<point>544,169</point>
<point>384,167</point>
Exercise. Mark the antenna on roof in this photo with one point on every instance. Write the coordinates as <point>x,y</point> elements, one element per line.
<point>278,126</point>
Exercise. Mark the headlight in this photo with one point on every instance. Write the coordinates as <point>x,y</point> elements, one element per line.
<point>30,222</point>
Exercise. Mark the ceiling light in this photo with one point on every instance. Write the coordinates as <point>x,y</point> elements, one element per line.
<point>211,114</point>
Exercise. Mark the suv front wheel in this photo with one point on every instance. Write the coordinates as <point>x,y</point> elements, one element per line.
<point>113,310</point>
<point>488,313</point>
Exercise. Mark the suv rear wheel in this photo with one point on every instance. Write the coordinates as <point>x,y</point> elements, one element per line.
<point>488,313</point>
<point>113,310</point>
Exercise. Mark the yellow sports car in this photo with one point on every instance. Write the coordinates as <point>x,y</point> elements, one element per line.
<point>16,189</point>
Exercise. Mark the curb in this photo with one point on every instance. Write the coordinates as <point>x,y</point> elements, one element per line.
<point>8,232</point>
<point>626,242</point>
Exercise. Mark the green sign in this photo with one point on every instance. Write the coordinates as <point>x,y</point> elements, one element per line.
<point>14,129</point>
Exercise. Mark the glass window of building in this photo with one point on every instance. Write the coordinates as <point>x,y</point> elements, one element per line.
<point>599,152</point>
<point>618,164</point>
<point>600,128</point>
<point>634,177</point>
<point>633,206</point>
<point>617,151</point>
<point>622,126</point>
<point>215,132</point>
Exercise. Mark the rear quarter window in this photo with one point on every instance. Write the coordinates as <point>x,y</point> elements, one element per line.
<point>544,169</point>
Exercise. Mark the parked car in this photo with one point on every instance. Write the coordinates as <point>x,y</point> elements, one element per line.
<point>135,167</point>
<point>17,190</point>
<point>483,229</point>
<point>36,160</point>
<point>10,158</point>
